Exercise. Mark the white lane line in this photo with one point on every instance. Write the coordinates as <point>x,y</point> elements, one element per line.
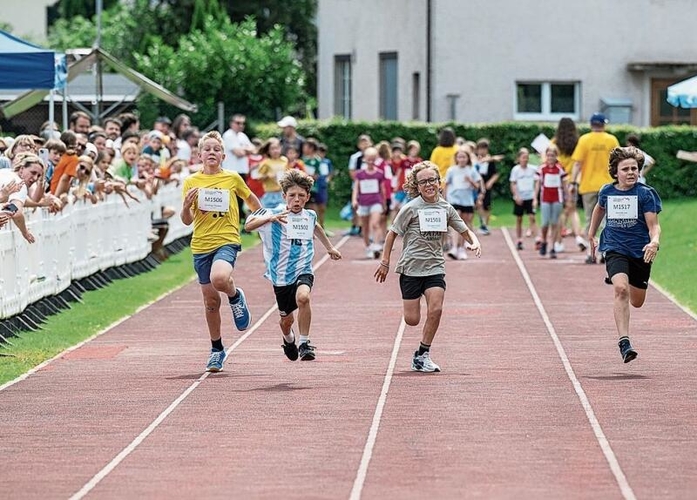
<point>672,298</point>
<point>162,416</point>
<point>89,339</point>
<point>621,479</point>
<point>362,472</point>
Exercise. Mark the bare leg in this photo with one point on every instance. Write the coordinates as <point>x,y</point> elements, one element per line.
<point>434,304</point>
<point>412,311</point>
<point>211,301</point>
<point>302,298</point>
<point>221,278</point>
<point>620,283</point>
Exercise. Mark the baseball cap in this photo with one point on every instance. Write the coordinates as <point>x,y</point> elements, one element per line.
<point>598,118</point>
<point>287,121</point>
<point>155,134</point>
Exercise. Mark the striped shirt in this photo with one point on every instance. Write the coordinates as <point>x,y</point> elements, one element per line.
<point>286,259</point>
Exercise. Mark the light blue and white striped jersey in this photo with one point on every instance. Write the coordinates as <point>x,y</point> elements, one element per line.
<point>285,258</point>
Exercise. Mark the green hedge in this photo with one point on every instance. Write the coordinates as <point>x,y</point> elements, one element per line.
<point>672,178</point>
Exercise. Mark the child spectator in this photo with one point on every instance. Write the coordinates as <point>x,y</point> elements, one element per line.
<point>154,146</point>
<point>287,233</point>
<point>313,165</point>
<point>255,160</point>
<point>368,201</point>
<point>462,187</point>
<point>552,183</point>
<point>56,149</point>
<point>486,166</point>
<point>272,168</point>
<point>326,168</point>
<point>524,188</point>
<point>126,168</point>
<point>66,168</point>
<point>294,161</point>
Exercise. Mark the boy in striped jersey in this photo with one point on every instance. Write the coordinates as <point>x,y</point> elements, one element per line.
<point>287,234</point>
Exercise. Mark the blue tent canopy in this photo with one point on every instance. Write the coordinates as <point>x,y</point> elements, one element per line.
<point>26,66</point>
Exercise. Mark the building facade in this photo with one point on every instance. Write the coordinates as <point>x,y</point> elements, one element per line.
<point>484,61</point>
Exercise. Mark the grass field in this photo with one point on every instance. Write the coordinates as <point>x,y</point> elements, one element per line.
<point>675,270</point>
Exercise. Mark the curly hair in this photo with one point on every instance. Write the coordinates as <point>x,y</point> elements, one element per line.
<point>566,136</point>
<point>298,178</point>
<point>410,185</point>
<point>626,153</point>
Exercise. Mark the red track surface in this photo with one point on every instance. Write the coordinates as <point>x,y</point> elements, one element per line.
<point>503,419</point>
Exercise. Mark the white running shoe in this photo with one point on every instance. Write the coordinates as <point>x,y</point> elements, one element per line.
<point>461,254</point>
<point>558,247</point>
<point>423,363</point>
<point>582,244</point>
<point>369,253</point>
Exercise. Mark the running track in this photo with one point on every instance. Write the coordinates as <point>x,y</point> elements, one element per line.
<point>533,401</point>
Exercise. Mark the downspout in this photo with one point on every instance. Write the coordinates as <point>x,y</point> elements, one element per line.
<point>429,22</point>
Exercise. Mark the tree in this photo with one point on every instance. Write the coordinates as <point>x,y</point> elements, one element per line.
<point>253,74</point>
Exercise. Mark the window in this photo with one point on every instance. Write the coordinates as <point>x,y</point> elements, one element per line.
<point>547,101</point>
<point>415,96</point>
<point>388,85</point>
<point>662,112</point>
<point>342,86</point>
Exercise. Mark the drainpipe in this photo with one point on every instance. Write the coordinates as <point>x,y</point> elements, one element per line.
<point>429,22</point>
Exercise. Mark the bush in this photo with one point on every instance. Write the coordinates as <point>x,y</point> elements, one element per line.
<point>671,177</point>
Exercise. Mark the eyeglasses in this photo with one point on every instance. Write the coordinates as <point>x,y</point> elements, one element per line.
<point>239,122</point>
<point>430,180</point>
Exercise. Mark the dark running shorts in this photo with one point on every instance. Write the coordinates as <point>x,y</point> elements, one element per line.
<point>637,270</point>
<point>525,208</point>
<point>464,209</point>
<point>285,295</point>
<point>413,287</point>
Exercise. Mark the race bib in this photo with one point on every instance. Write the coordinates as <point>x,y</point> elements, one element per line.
<point>433,220</point>
<point>552,181</point>
<point>309,170</point>
<point>300,227</point>
<point>213,200</point>
<point>622,207</point>
<point>526,184</point>
<point>369,186</point>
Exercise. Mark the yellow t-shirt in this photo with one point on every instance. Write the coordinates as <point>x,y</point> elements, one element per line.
<point>444,157</point>
<point>593,152</point>
<point>212,230</point>
<point>275,169</point>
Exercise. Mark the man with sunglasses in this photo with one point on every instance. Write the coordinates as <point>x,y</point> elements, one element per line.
<point>421,266</point>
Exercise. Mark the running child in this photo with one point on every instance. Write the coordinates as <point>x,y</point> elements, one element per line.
<point>552,181</point>
<point>463,184</point>
<point>369,202</point>
<point>630,240</point>
<point>287,233</point>
<point>421,266</point>
<point>210,203</point>
<point>524,188</point>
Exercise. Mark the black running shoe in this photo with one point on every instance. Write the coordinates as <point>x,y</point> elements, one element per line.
<point>306,351</point>
<point>290,349</point>
<point>543,249</point>
<point>626,350</point>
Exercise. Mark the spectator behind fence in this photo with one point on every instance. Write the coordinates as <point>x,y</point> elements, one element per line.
<point>14,186</point>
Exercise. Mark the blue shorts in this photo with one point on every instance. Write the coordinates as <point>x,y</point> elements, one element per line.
<point>271,199</point>
<point>203,262</point>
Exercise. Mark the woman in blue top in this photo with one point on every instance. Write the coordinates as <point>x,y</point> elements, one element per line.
<point>630,239</point>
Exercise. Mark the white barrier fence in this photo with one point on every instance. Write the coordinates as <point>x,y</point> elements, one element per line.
<point>79,241</point>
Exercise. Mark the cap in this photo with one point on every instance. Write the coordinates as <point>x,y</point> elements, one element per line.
<point>91,149</point>
<point>155,134</point>
<point>164,119</point>
<point>598,118</point>
<point>287,121</point>
<point>397,145</point>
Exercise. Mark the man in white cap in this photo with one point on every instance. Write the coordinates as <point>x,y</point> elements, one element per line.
<point>590,171</point>
<point>289,136</point>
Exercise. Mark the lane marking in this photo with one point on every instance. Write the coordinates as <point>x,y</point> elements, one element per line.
<point>97,478</point>
<point>621,479</point>
<point>672,298</point>
<point>362,472</point>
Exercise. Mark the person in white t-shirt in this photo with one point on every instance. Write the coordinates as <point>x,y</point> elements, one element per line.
<point>524,187</point>
<point>237,148</point>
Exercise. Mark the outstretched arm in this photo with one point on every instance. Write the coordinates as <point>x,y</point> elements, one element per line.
<point>331,249</point>
<point>262,216</point>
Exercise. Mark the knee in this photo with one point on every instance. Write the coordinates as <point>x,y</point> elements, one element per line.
<point>302,299</point>
<point>435,310</point>
<point>286,321</point>
<point>412,319</point>
<point>622,292</point>
<point>220,282</point>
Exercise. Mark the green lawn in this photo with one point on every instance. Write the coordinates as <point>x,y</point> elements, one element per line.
<point>675,270</point>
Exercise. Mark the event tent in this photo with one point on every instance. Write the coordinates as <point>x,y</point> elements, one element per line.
<point>27,66</point>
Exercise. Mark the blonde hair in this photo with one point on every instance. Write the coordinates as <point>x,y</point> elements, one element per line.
<point>127,147</point>
<point>25,140</point>
<point>23,160</point>
<point>213,134</point>
<point>410,185</point>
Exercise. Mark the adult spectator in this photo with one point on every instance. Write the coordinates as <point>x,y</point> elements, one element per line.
<point>14,186</point>
<point>163,123</point>
<point>4,160</point>
<point>80,122</point>
<point>590,171</point>
<point>443,155</point>
<point>188,146</point>
<point>289,134</point>
<point>112,128</point>
<point>129,122</point>
<point>237,146</point>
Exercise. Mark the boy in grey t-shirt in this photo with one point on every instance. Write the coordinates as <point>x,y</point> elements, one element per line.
<point>421,266</point>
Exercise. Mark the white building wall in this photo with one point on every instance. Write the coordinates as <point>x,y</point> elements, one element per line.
<point>481,48</point>
<point>364,29</point>
<point>26,17</point>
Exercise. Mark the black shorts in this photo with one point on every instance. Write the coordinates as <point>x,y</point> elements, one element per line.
<point>525,208</point>
<point>414,287</point>
<point>285,295</point>
<point>464,209</point>
<point>637,270</point>
<point>486,202</point>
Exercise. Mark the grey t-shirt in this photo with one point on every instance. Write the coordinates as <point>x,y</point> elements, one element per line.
<point>422,251</point>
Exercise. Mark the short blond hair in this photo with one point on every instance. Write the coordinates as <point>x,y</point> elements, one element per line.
<point>213,134</point>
